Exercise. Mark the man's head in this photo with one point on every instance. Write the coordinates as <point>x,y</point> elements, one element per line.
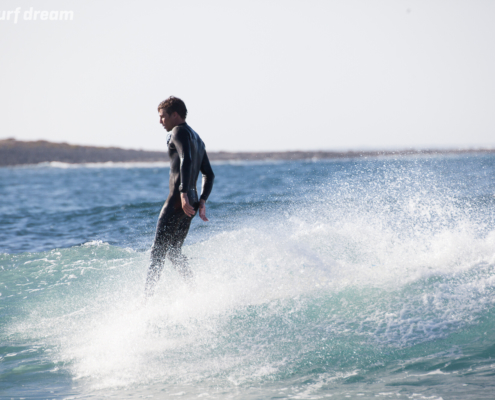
<point>172,112</point>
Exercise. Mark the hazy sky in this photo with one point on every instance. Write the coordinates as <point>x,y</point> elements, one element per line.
<point>255,75</point>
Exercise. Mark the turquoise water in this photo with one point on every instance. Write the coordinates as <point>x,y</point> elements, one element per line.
<point>370,278</point>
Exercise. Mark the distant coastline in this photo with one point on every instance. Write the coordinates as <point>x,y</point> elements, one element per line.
<point>15,152</point>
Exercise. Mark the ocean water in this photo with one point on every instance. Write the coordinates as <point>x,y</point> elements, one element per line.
<point>368,278</point>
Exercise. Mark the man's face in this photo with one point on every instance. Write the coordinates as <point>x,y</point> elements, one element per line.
<point>168,121</point>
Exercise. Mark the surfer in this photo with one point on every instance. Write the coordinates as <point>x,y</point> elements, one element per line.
<point>187,158</point>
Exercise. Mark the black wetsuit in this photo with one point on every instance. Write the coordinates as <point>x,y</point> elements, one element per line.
<point>187,158</point>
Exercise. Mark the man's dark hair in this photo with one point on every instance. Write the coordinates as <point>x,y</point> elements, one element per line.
<point>173,104</point>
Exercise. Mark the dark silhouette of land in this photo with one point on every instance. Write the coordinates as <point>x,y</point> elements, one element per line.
<point>15,152</point>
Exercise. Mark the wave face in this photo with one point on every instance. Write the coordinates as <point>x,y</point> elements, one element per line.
<point>344,279</point>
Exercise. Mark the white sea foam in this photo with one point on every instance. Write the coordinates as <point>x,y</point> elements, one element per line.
<point>188,335</point>
<point>339,286</point>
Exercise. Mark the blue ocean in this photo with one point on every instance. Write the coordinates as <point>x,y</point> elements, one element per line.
<point>370,278</point>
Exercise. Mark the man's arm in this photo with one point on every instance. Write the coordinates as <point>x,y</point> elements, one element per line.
<point>180,139</point>
<point>186,206</point>
<point>208,177</point>
<point>207,185</point>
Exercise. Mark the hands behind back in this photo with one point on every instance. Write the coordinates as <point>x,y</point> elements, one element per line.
<point>189,210</point>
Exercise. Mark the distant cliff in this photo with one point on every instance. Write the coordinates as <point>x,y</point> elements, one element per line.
<point>14,152</point>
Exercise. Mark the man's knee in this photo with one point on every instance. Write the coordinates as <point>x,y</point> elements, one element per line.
<point>180,262</point>
<point>154,272</point>
<point>175,255</point>
<point>159,249</point>
<point>157,254</point>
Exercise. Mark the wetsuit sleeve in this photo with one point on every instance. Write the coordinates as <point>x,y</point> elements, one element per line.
<point>181,141</point>
<point>208,177</point>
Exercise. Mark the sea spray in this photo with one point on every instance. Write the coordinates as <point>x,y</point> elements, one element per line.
<point>370,279</point>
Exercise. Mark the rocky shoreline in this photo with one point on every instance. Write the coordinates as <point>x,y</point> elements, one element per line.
<point>15,152</point>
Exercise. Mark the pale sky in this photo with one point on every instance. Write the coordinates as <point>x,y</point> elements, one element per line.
<point>255,75</point>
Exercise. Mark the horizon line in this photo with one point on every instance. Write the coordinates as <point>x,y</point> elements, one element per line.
<point>346,150</point>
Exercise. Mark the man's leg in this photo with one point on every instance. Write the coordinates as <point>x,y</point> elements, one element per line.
<point>175,255</point>
<point>171,232</point>
<point>167,224</point>
<point>158,253</point>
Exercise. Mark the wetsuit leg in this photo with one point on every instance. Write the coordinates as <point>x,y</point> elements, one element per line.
<point>179,260</point>
<point>173,226</point>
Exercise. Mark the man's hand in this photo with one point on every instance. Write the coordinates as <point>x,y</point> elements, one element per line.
<point>188,209</point>
<point>202,211</point>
